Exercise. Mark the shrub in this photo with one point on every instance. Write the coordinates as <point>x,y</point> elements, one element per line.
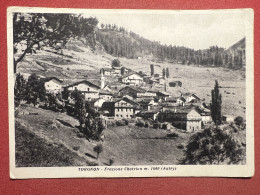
<point>111,161</point>
<point>126,122</point>
<point>120,123</point>
<point>213,146</point>
<point>139,124</point>
<point>156,126</point>
<point>239,120</point>
<point>172,135</point>
<point>76,148</point>
<point>180,146</point>
<point>164,126</point>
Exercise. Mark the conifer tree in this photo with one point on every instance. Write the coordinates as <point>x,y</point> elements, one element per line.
<point>152,69</point>
<point>163,73</point>
<point>167,72</point>
<point>215,106</point>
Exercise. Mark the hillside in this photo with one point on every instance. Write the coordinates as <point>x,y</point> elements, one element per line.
<point>240,45</point>
<point>121,43</point>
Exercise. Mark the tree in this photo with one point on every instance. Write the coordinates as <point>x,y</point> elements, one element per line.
<point>163,73</point>
<point>19,89</point>
<point>215,105</point>
<point>35,89</point>
<point>152,69</point>
<point>167,72</point>
<point>80,110</point>
<point>33,30</point>
<point>122,70</point>
<point>239,120</point>
<point>116,63</point>
<point>212,146</point>
<point>98,149</point>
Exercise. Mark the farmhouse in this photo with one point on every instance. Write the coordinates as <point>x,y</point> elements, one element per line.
<point>186,118</point>
<point>90,90</point>
<point>132,78</point>
<point>192,98</point>
<point>106,71</point>
<point>228,118</point>
<point>175,84</point>
<point>116,71</point>
<point>132,91</point>
<point>181,101</point>
<point>146,104</point>
<point>161,80</point>
<point>120,108</point>
<point>150,114</point>
<point>106,95</point>
<point>52,85</point>
<point>162,95</point>
<point>124,108</point>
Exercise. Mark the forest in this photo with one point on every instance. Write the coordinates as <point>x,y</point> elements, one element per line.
<point>119,42</point>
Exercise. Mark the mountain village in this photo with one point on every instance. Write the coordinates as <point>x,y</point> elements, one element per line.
<point>131,95</point>
<point>109,90</point>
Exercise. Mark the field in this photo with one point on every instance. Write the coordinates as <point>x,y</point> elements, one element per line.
<point>46,138</point>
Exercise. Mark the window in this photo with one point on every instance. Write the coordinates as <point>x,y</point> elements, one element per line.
<point>127,116</point>
<point>126,109</point>
<point>118,109</point>
<point>121,115</point>
<point>88,89</point>
<point>117,115</point>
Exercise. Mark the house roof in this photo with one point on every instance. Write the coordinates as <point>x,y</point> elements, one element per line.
<point>51,78</point>
<point>85,82</point>
<point>182,99</point>
<point>127,100</point>
<point>131,73</point>
<point>159,93</point>
<point>105,92</point>
<point>107,69</point>
<point>183,110</point>
<point>190,94</point>
<point>139,90</point>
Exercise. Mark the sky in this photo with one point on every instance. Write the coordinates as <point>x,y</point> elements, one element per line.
<point>196,30</point>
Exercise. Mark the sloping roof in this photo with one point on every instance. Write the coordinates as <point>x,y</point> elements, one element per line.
<point>85,82</point>
<point>127,100</point>
<point>182,99</point>
<point>183,110</point>
<point>51,78</point>
<point>195,96</point>
<point>105,92</point>
<point>107,69</point>
<point>131,73</point>
<point>190,94</point>
<point>139,90</point>
<point>159,93</point>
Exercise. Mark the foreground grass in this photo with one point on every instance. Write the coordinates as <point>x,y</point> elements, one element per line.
<point>33,151</point>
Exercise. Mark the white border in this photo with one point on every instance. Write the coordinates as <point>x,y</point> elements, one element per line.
<point>181,170</point>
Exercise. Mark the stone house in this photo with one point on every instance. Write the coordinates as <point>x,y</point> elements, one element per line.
<point>132,78</point>
<point>188,119</point>
<point>52,85</point>
<point>90,90</point>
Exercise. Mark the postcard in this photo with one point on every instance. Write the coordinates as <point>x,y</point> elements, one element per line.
<point>96,93</point>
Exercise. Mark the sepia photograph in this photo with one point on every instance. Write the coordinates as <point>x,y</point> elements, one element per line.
<point>130,93</point>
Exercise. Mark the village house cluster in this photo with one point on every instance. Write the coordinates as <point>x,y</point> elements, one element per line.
<point>131,98</point>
